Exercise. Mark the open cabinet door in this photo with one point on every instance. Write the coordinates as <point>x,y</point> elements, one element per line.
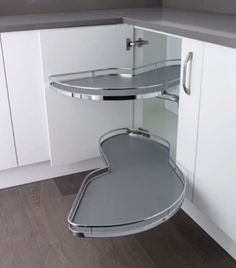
<point>153,51</point>
<point>159,116</point>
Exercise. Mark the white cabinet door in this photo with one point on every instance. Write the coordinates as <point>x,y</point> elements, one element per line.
<point>7,147</point>
<point>76,125</point>
<point>26,90</point>
<point>215,182</point>
<point>189,112</point>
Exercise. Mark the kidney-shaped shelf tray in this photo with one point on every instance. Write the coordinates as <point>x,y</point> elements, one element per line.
<point>119,83</point>
<point>139,187</point>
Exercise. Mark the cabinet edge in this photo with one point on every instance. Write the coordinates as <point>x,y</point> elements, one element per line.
<point>226,242</point>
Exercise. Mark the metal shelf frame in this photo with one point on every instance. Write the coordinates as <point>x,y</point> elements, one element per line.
<point>137,164</point>
<point>135,223</point>
<point>112,84</point>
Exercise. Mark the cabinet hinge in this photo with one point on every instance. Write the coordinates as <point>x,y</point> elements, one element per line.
<point>139,43</point>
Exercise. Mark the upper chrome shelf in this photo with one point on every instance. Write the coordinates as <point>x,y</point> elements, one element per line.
<point>147,81</point>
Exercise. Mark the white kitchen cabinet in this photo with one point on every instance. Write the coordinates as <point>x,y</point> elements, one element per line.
<point>189,111</point>
<point>206,117</point>
<point>76,125</point>
<point>215,179</point>
<point>24,75</point>
<point>7,151</point>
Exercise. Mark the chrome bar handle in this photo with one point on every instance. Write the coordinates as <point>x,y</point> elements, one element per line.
<point>188,61</point>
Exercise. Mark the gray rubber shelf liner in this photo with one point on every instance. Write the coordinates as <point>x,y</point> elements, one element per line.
<point>139,187</point>
<point>119,83</point>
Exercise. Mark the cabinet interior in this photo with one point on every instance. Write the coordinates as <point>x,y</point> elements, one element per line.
<point>105,115</point>
<point>134,159</point>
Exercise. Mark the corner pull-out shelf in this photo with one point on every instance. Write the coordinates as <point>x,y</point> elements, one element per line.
<point>147,81</point>
<point>139,187</point>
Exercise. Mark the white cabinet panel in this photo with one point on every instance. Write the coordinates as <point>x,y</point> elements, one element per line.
<point>189,113</point>
<point>26,90</point>
<point>76,125</point>
<point>7,147</point>
<point>215,183</point>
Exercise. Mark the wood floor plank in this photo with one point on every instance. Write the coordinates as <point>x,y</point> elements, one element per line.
<point>180,245</point>
<point>68,185</point>
<point>201,242</point>
<point>164,254</point>
<point>34,234</point>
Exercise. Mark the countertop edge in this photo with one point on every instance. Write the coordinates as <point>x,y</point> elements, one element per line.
<point>144,18</point>
<point>65,24</point>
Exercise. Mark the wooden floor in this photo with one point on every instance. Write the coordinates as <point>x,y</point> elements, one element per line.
<point>33,234</point>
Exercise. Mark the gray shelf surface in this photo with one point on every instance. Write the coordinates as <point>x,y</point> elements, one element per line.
<point>139,188</point>
<point>118,84</point>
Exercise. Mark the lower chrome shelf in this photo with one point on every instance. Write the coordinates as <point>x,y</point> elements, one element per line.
<point>139,188</point>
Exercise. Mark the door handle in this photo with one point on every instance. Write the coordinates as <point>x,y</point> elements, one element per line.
<point>187,62</point>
